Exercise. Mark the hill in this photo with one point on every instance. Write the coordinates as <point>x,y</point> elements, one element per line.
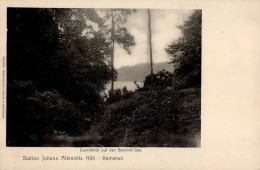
<point>170,118</point>
<point>167,118</point>
<point>139,71</point>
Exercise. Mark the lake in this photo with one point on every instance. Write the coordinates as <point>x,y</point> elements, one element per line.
<point>130,85</point>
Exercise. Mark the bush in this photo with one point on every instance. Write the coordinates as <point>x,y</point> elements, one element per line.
<point>49,112</point>
<point>162,78</point>
<point>32,114</point>
<point>118,94</point>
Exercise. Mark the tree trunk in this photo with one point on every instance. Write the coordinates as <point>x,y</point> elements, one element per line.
<point>150,45</point>
<point>113,48</point>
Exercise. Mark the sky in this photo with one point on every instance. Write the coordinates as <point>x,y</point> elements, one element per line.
<point>164,31</point>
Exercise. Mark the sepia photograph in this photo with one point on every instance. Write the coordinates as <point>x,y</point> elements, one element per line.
<point>128,84</point>
<point>103,77</point>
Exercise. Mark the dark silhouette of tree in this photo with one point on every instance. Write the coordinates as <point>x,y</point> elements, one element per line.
<point>186,53</point>
<point>55,72</point>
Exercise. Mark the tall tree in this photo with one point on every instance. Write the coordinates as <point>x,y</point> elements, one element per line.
<point>150,45</point>
<point>186,53</point>
<point>119,33</point>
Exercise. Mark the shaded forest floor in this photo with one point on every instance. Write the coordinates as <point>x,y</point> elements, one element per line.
<point>163,118</point>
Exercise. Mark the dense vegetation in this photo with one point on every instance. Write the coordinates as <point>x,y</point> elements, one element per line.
<point>59,63</point>
<point>55,75</point>
<point>186,53</point>
<point>165,117</point>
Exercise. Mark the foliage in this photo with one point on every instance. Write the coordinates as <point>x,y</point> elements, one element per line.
<point>121,35</point>
<point>56,70</point>
<point>58,66</point>
<point>50,110</point>
<point>34,114</point>
<point>186,53</point>
<point>142,119</point>
<point>124,90</point>
<point>163,78</point>
<point>118,94</point>
<point>115,93</point>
